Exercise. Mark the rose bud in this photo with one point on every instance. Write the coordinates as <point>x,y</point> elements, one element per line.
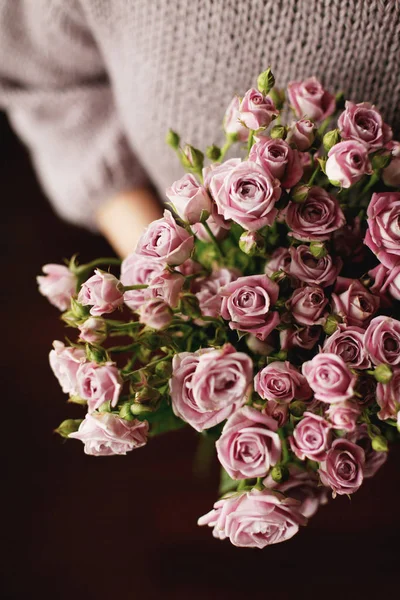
<point>304,337</point>
<point>329,378</point>
<point>348,343</point>
<point>255,519</point>
<point>105,434</point>
<point>386,281</point>
<point>347,163</point>
<point>103,292</point>
<point>391,175</point>
<point>353,302</point>
<point>232,124</point>
<point>311,438</point>
<point>189,199</point>
<point>93,330</point>
<point>265,81</point>
<point>383,235</point>
<point>314,271</point>
<point>256,111</point>
<point>315,218</point>
<point>307,305</point>
<point>343,468</point>
<point>58,285</point>
<point>282,383</point>
<point>362,122</point>
<point>373,460</point>
<point>165,286</point>
<point>302,134</point>
<point>277,157</point>
<point>252,243</point>
<point>207,290</point>
<point>278,412</point>
<point>138,270</point>
<point>64,362</point>
<point>98,384</point>
<point>344,415</point>
<point>308,98</point>
<point>388,396</point>
<point>382,341</point>
<point>330,139</point>
<point>155,313</point>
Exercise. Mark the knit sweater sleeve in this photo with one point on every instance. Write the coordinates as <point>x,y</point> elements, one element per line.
<point>55,89</point>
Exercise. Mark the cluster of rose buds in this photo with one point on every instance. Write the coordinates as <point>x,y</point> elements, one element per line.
<point>262,310</point>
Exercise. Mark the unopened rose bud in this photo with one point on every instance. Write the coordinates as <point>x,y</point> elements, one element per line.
<point>78,311</point>
<point>194,157</point>
<point>67,427</point>
<point>278,132</point>
<point>280,474</point>
<point>331,324</point>
<point>322,164</point>
<point>299,193</point>
<point>379,444</point>
<point>297,408</point>
<point>381,161</point>
<point>277,96</point>
<point>173,139</point>
<point>93,330</point>
<point>331,138</point>
<point>252,243</point>
<point>96,354</point>
<point>213,152</point>
<point>147,395</point>
<point>163,369</point>
<point>265,81</point>
<point>190,306</point>
<point>318,249</point>
<point>383,373</point>
<point>125,412</point>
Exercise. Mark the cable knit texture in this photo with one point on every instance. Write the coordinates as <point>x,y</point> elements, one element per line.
<point>92,86</point>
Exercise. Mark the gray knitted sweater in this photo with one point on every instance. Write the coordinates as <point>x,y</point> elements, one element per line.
<point>92,86</point>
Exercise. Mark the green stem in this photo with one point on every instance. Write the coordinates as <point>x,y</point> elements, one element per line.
<point>285,450</point>
<point>242,485</point>
<point>259,485</point>
<point>324,125</point>
<point>213,239</point>
<point>372,181</point>
<point>128,288</point>
<point>250,141</point>
<point>229,142</point>
<point>315,173</point>
<point>150,365</point>
<point>95,263</point>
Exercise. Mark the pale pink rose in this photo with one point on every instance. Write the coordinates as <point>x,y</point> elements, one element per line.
<point>138,270</point>
<point>343,415</point>
<point>348,343</point>
<point>64,362</point>
<point>93,330</point>
<point>189,199</point>
<point>166,241</point>
<point>189,267</point>
<point>249,445</point>
<point>218,225</point>
<point>279,261</point>
<point>386,281</point>
<point>311,437</point>
<point>256,110</point>
<point>281,382</point>
<point>104,434</point>
<point>98,384</point>
<point>278,412</point>
<point>307,305</point>
<point>383,235</point>
<point>347,162</point>
<point>166,286</point>
<point>364,123</point>
<point>353,302</point>
<point>315,218</point>
<point>155,313</point>
<point>245,193</point>
<point>309,99</point>
<point>207,386</point>
<point>382,341</point>
<point>303,337</point>
<point>329,377</point>
<point>343,468</point>
<point>255,519</point>
<point>373,460</point>
<point>348,241</point>
<point>277,157</point>
<point>391,175</point>
<point>301,134</point>
<point>314,271</point>
<point>388,396</point>
<point>58,285</point>
<point>103,292</point>
<point>207,290</point>
<point>232,124</point>
<point>247,304</point>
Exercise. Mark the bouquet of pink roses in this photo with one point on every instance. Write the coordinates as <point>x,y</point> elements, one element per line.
<point>262,310</point>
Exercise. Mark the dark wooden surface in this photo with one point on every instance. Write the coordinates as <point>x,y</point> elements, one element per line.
<point>87,528</point>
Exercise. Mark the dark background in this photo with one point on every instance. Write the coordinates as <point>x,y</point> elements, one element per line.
<point>89,528</point>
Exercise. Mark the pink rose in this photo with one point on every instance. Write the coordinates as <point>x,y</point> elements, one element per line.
<point>207,290</point>
<point>388,396</point>
<point>348,343</point>
<point>189,267</point>
<point>391,175</point>
<point>347,163</point>
<point>245,193</point>
<point>373,460</point>
<point>166,286</point>
<point>189,199</point>
<point>138,270</point>
<point>315,271</point>
<point>307,305</point>
<point>255,519</point>
<point>277,157</point>
<point>343,468</point>
<point>308,98</point>
<point>98,384</point>
<point>315,218</point>
<point>232,124</point>
<point>103,292</point>
<point>353,302</point>
<point>58,285</point>
<point>382,341</point>
<point>247,302</point>
<point>281,382</point>
<point>383,235</point>
<point>256,110</point>
<point>218,225</point>
<point>155,313</point>
<point>278,412</point>
<point>279,261</point>
<point>344,415</point>
<point>166,241</point>
<point>104,434</point>
<point>301,134</point>
<point>303,337</point>
<point>93,330</point>
<point>208,385</point>
<point>64,362</point>
<point>329,378</point>
<point>386,280</point>
<point>249,444</point>
<point>311,438</point>
<point>363,122</point>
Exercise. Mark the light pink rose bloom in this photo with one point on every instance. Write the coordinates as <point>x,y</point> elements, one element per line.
<point>303,337</point>
<point>138,270</point>
<point>98,384</point>
<point>386,281</point>
<point>309,99</point>
<point>353,302</point>
<point>207,386</point>
<point>343,468</point>
<point>347,162</point>
<point>301,134</point>
<point>364,123</point>
<point>255,519</point>
<point>247,304</point>
<point>388,396</point>
<point>348,343</point>
<point>207,290</point>
<point>314,271</point>
<point>103,292</point>
<point>311,437</point>
<point>382,341</point>
<point>373,460</point>
<point>155,313</point>
<point>58,285</point>
<point>165,286</point>
<point>256,110</point>
<point>383,235</point>
<point>307,305</point>
<point>93,330</point>
<point>315,218</point>
<point>189,267</point>
<point>249,445</point>
<point>189,199</point>
<point>64,362</point>
<point>281,382</point>
<point>166,241</point>
<point>218,225</point>
<point>245,193</point>
<point>277,157</point>
<point>348,241</point>
<point>344,415</point>
<point>329,377</point>
<point>279,261</point>
<point>232,124</point>
<point>104,434</point>
<point>278,412</point>
<point>391,175</point>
